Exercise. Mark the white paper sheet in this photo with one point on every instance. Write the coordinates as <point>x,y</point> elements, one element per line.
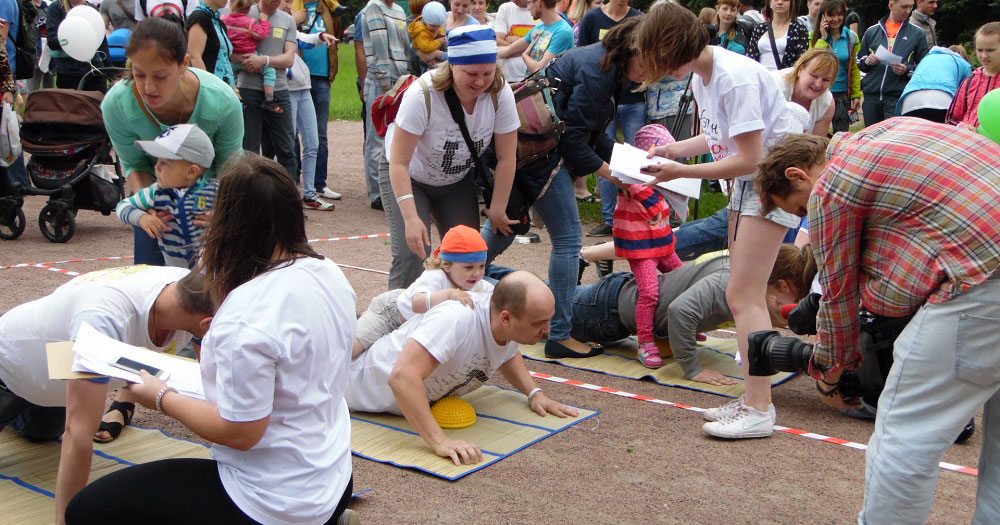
<point>627,160</point>
<point>95,352</point>
<point>886,56</point>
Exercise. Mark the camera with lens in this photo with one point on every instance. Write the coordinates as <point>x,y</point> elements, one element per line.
<point>770,353</point>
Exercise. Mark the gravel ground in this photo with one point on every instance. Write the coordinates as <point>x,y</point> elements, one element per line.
<point>635,462</point>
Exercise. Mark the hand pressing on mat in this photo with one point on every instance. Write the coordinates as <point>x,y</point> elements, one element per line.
<point>544,405</point>
<point>460,452</point>
<point>714,377</point>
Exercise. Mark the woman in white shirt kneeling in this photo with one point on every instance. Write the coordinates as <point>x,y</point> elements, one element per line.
<point>274,368</point>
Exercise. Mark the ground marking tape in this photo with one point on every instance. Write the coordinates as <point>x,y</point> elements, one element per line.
<point>794,431</point>
<point>362,269</point>
<point>51,269</point>
<point>324,239</point>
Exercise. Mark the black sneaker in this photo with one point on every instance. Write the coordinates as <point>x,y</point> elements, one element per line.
<point>584,263</point>
<point>377,204</point>
<point>601,230</point>
<point>967,432</point>
<point>604,268</point>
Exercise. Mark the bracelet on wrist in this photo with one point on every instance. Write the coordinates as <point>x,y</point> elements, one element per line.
<point>402,198</point>
<point>828,393</point>
<point>159,398</point>
<point>532,393</point>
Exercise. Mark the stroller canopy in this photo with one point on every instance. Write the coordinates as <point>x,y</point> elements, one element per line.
<point>62,118</point>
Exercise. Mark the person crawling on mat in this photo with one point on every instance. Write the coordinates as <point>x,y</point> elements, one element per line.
<point>692,300</point>
<point>159,308</point>
<point>452,350</point>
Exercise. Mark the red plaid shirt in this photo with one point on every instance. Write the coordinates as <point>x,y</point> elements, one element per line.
<point>906,211</point>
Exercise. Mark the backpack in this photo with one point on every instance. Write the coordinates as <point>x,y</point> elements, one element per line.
<point>386,106</point>
<point>540,126</point>
<point>26,43</point>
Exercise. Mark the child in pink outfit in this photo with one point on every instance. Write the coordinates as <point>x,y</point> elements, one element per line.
<point>965,106</point>
<point>245,32</point>
<point>643,236</point>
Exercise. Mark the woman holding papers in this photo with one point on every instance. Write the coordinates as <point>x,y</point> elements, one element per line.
<point>274,369</point>
<point>152,307</point>
<point>592,80</point>
<point>743,113</point>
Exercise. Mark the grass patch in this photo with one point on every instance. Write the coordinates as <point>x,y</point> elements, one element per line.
<point>345,104</point>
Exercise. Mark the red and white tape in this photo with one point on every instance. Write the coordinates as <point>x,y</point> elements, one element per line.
<point>793,431</point>
<point>51,269</point>
<point>351,238</point>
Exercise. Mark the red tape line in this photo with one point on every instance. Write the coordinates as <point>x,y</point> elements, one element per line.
<point>325,239</point>
<point>793,431</point>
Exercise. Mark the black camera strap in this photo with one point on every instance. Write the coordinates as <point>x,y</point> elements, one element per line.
<point>458,115</point>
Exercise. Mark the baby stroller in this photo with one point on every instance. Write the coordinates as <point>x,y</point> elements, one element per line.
<point>63,130</point>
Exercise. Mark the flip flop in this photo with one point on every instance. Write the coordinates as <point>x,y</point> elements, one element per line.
<point>127,410</point>
<point>556,350</point>
<point>588,198</point>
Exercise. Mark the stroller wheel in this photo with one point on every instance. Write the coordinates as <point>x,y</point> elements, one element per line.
<point>57,223</point>
<point>11,221</point>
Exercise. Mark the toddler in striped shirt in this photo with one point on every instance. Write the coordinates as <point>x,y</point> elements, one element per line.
<point>183,153</point>
<point>642,236</point>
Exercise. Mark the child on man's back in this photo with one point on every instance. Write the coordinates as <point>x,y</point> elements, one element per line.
<point>183,153</point>
<point>642,235</point>
<point>245,32</point>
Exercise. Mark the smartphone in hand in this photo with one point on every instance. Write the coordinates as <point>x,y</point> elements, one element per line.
<point>134,366</point>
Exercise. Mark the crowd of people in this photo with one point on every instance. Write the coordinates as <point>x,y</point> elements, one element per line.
<point>223,111</point>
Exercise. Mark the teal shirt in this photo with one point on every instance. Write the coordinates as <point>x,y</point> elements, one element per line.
<point>217,112</point>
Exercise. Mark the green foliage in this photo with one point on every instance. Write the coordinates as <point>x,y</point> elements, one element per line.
<point>345,104</point>
<point>957,20</point>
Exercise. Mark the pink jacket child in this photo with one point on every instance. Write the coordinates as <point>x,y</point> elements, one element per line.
<point>643,236</point>
<point>965,106</point>
<point>245,32</point>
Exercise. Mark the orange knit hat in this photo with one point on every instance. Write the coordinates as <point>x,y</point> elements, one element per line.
<point>462,244</point>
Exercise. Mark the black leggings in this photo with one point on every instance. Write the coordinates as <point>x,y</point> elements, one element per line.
<point>168,491</point>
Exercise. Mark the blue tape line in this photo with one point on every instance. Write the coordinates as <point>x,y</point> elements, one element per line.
<point>29,486</point>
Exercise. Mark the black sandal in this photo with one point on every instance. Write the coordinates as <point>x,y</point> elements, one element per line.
<point>127,410</point>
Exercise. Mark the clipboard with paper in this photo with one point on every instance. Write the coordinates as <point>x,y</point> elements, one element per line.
<point>626,165</point>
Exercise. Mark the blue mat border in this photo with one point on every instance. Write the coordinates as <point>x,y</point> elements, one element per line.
<point>650,376</point>
<point>499,457</point>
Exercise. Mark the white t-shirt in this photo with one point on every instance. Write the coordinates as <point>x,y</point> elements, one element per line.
<point>441,156</point>
<point>279,346</point>
<point>817,108</point>
<point>517,21</point>
<point>431,281</point>
<point>116,302</point>
<point>925,99</point>
<point>162,7</point>
<point>458,337</point>
<point>767,54</point>
<point>741,97</point>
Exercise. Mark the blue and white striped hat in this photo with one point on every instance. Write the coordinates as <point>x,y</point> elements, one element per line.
<point>475,44</point>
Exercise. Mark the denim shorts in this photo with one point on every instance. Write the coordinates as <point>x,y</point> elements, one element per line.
<point>747,202</point>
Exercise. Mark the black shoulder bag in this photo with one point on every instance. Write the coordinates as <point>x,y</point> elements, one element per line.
<point>518,204</point>
<point>774,46</point>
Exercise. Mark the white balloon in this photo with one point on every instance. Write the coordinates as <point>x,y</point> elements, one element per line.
<point>76,36</point>
<point>93,17</point>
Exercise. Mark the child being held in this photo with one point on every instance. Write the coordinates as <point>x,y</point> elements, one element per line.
<point>456,268</point>
<point>428,33</point>
<point>245,32</point>
<point>642,235</point>
<point>183,153</point>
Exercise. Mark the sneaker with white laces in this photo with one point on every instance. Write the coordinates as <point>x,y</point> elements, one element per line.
<point>330,194</point>
<point>317,205</point>
<point>745,423</point>
<point>730,408</point>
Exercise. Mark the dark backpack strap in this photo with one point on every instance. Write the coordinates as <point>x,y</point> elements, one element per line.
<point>458,114</point>
<point>774,46</point>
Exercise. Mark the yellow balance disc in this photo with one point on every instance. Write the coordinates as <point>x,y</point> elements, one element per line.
<point>453,412</point>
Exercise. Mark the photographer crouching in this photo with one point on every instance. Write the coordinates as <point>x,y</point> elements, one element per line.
<point>904,222</point>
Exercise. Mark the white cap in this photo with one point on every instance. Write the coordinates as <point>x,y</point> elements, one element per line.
<point>181,142</point>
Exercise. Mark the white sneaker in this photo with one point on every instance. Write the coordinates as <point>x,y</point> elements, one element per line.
<point>730,409</point>
<point>330,194</point>
<point>317,205</point>
<point>745,423</point>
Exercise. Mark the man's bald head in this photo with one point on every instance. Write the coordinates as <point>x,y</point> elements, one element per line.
<point>525,305</point>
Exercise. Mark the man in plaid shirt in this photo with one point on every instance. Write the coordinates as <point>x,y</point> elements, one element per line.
<point>904,219</point>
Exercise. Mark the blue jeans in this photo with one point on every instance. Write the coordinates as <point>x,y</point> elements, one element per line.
<point>877,109</point>
<point>280,126</point>
<point>629,118</point>
<point>702,236</point>
<point>558,208</point>
<point>17,172</point>
<point>320,92</point>
<point>36,423</point>
<point>946,366</point>
<point>145,249</point>
<point>304,116</point>
<point>595,310</point>
<point>374,144</point>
